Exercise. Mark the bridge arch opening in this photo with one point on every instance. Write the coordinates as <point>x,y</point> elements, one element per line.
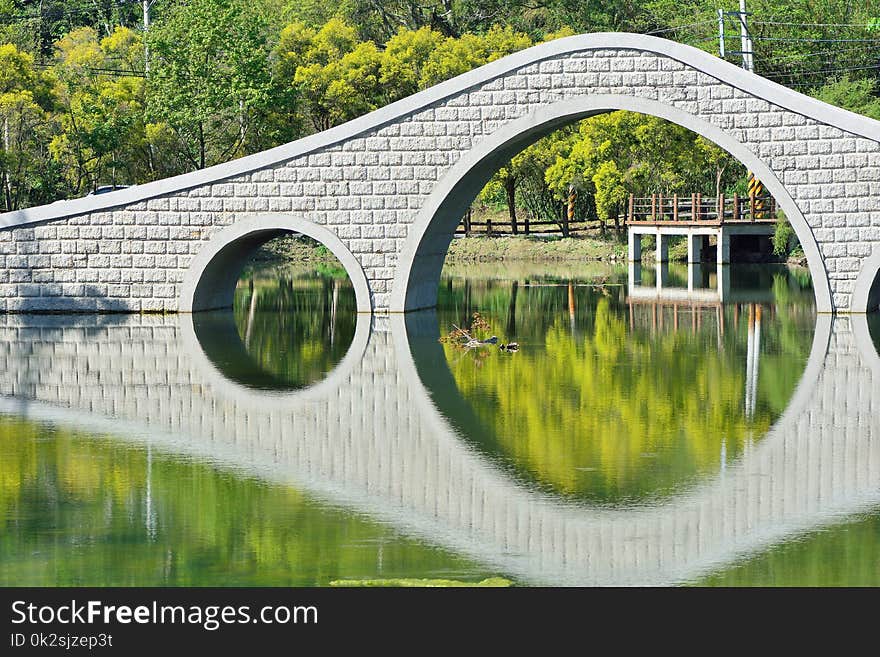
<point>566,456</point>
<point>213,274</point>
<point>276,319</point>
<point>421,262</point>
<point>866,294</point>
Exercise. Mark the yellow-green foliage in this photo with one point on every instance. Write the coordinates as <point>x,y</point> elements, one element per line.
<point>612,413</point>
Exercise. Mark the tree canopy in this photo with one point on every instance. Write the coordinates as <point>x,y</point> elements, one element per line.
<point>89,97</point>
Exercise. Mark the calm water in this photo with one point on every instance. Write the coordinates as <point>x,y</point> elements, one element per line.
<point>657,427</point>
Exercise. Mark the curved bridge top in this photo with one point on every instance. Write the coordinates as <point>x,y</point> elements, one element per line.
<point>391,185</point>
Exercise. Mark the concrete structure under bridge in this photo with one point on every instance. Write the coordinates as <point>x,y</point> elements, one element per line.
<point>385,192</point>
<point>697,236</point>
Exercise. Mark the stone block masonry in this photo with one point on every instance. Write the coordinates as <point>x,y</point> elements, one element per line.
<point>383,184</point>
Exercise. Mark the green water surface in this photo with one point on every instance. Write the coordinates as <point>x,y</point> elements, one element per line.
<point>608,401</point>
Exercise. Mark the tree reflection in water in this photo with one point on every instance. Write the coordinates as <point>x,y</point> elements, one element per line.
<point>293,325</point>
<point>614,402</point>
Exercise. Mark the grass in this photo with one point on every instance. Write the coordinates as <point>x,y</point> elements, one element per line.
<point>580,248</point>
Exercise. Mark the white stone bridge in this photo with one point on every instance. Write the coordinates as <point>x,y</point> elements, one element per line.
<point>371,438</point>
<point>384,192</point>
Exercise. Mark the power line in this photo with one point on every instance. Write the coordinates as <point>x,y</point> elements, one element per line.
<point>865,25</point>
<point>802,40</point>
<point>816,54</point>
<point>680,27</point>
<point>827,71</point>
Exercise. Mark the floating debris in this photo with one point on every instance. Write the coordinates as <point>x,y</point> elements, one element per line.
<point>406,582</point>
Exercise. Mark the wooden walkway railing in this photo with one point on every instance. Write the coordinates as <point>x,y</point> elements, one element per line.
<point>697,208</point>
<point>655,208</point>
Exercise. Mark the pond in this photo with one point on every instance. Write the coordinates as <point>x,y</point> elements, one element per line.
<point>680,426</point>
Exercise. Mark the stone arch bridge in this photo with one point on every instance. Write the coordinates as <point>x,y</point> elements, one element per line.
<point>385,191</point>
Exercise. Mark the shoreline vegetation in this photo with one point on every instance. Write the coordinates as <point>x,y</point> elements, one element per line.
<point>590,247</point>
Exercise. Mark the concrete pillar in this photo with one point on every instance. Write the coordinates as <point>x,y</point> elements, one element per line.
<point>635,246</point>
<point>723,246</point>
<point>695,247</point>
<point>662,247</point>
<point>723,278</point>
<point>662,276</point>
<point>635,275</point>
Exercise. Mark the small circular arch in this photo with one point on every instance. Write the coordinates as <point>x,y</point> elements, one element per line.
<point>421,259</point>
<point>209,282</point>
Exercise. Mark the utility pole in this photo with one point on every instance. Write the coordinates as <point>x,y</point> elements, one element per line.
<point>146,5</point>
<point>748,60</point>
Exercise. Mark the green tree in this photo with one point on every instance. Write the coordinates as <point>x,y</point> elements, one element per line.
<point>209,79</point>
<point>102,137</point>
<point>459,55</point>
<point>611,194</point>
<point>25,101</point>
<point>855,95</point>
<point>404,59</point>
<point>335,75</point>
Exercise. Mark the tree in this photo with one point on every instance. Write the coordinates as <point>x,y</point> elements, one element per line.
<point>456,56</point>
<point>337,76</point>
<point>716,157</point>
<point>649,155</point>
<point>855,95</point>
<point>610,191</point>
<point>209,79</point>
<point>102,135</point>
<point>25,99</point>
<point>404,59</point>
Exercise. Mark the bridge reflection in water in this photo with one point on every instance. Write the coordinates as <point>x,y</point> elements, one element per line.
<point>371,437</point>
<point>658,291</point>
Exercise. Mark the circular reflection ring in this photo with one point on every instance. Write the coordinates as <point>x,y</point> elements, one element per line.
<point>800,402</point>
<point>221,342</point>
<point>248,233</point>
<point>223,385</point>
<point>267,224</point>
<point>420,259</point>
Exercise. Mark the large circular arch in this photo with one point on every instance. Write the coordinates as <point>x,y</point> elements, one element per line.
<point>210,281</point>
<point>421,260</point>
<point>866,293</point>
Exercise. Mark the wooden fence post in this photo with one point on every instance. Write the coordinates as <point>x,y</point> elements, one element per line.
<point>660,206</point>
<point>735,207</point>
<point>693,207</point>
<point>721,208</point>
<point>675,207</point>
<point>751,206</point>
<point>631,208</point>
<point>653,207</point>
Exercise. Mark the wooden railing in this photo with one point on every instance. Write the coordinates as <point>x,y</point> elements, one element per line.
<point>524,227</point>
<point>654,208</point>
<point>697,208</point>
